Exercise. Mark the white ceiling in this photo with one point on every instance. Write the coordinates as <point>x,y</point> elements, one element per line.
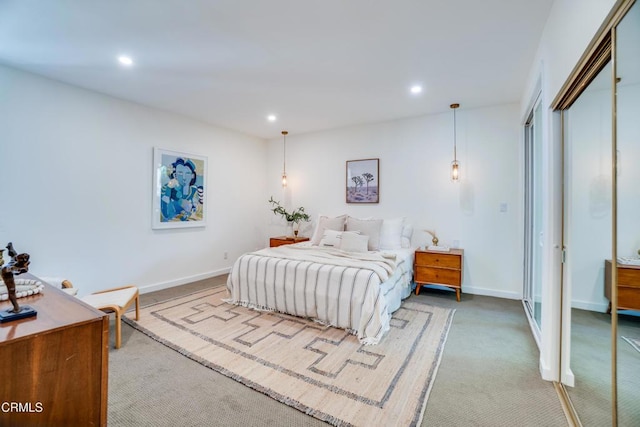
<point>315,64</point>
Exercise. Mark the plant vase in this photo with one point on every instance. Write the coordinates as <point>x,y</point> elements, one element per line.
<point>290,229</point>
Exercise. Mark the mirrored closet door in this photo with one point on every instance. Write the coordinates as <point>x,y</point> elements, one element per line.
<point>627,110</point>
<point>600,110</point>
<point>587,239</point>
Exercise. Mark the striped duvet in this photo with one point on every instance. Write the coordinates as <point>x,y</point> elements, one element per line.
<point>336,288</point>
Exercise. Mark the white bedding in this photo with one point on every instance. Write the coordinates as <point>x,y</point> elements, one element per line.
<point>341,289</point>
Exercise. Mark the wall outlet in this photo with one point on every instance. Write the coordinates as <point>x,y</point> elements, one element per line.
<point>226,254</point>
<point>504,207</point>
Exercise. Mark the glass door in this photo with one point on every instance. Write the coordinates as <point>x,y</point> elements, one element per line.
<point>533,233</point>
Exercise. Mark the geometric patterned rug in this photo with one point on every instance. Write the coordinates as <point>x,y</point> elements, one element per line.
<point>322,371</point>
<point>635,343</point>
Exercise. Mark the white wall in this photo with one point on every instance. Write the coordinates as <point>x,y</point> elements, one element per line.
<point>77,179</point>
<point>415,156</point>
<point>569,29</point>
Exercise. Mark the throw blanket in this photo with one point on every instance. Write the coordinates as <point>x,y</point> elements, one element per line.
<point>334,287</point>
<point>381,263</point>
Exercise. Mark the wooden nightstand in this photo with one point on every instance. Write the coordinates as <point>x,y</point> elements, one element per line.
<point>628,286</point>
<point>284,240</point>
<point>439,268</point>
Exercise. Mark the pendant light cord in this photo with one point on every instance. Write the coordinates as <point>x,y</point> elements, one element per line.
<point>455,157</point>
<point>284,152</point>
<point>455,151</point>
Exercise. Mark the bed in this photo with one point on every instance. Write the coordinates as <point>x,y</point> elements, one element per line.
<point>330,278</point>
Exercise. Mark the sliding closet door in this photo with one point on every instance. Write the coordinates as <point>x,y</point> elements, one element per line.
<point>600,104</point>
<point>588,223</point>
<point>627,53</point>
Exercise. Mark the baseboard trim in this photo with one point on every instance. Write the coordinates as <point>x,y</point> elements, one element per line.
<point>590,306</point>
<point>491,292</point>
<point>182,281</point>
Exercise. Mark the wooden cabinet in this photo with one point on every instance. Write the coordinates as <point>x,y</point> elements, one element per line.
<point>284,240</point>
<point>55,365</point>
<point>439,268</point>
<point>628,286</point>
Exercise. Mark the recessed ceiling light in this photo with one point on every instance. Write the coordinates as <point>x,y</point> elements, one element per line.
<point>125,60</point>
<point>416,89</point>
<point>271,118</point>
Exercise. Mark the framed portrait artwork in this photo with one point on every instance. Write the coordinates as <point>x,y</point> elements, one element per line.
<point>179,188</point>
<point>363,181</point>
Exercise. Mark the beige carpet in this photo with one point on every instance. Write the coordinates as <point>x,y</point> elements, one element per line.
<point>319,370</point>
<point>635,343</point>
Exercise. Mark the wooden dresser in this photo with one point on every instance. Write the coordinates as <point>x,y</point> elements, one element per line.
<point>54,365</point>
<point>628,286</point>
<point>439,268</point>
<point>284,240</point>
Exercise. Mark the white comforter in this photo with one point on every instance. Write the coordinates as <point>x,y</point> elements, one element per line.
<point>337,288</point>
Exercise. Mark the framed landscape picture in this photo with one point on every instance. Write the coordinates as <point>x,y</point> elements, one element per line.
<point>179,188</point>
<point>363,181</point>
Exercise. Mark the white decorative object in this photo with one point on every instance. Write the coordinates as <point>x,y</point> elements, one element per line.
<point>628,260</point>
<point>432,233</point>
<point>438,248</point>
<point>24,288</point>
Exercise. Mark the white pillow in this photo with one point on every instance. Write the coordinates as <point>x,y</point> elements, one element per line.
<point>326,223</point>
<point>331,238</point>
<point>391,233</point>
<point>369,227</point>
<point>354,242</point>
<point>407,232</point>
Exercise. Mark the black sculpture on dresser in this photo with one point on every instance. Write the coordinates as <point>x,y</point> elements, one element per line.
<point>19,264</point>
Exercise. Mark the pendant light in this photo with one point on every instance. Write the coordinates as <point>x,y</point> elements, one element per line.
<point>455,165</point>
<point>284,158</point>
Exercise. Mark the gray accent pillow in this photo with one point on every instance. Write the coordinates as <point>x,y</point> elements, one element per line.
<point>368,227</point>
<point>326,223</point>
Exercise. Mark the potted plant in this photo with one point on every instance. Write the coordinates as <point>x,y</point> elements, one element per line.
<point>292,218</point>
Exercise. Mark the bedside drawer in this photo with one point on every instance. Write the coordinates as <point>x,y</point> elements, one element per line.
<point>629,277</point>
<point>437,275</point>
<point>628,298</point>
<point>438,260</point>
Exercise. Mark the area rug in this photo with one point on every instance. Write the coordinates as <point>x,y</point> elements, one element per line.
<point>635,343</point>
<point>322,371</point>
